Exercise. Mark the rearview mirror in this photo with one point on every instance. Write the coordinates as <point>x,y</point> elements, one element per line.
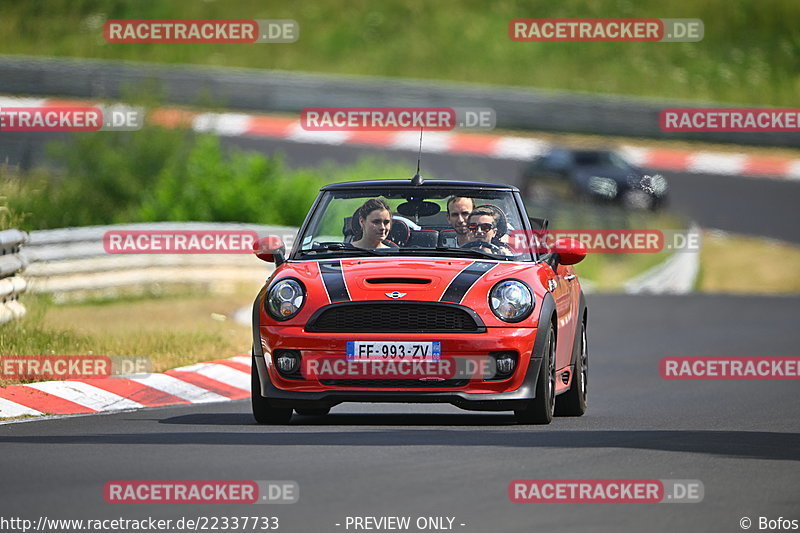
<point>270,249</point>
<point>570,251</point>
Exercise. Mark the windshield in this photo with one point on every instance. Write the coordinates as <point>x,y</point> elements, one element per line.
<point>600,159</point>
<point>474,223</point>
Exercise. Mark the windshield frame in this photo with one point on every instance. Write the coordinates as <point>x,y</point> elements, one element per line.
<point>372,189</point>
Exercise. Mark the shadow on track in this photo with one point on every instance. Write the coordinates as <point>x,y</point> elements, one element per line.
<point>737,444</point>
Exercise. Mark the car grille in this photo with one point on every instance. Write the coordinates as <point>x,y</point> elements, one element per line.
<point>395,317</point>
<point>397,383</point>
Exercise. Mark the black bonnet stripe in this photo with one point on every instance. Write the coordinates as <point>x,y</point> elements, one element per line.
<point>333,278</point>
<point>464,280</point>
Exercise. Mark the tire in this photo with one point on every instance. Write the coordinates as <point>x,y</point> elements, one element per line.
<point>574,401</point>
<point>540,409</point>
<point>263,412</point>
<point>313,412</point>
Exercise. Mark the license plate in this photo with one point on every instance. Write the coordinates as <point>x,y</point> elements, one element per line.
<point>393,351</point>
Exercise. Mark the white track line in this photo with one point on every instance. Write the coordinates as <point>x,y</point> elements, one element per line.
<point>298,134</point>
<point>228,124</point>
<point>177,387</point>
<point>244,359</point>
<point>794,170</point>
<point>86,395</point>
<point>433,141</point>
<point>9,409</point>
<point>222,373</point>
<point>715,163</point>
<point>519,148</point>
<point>10,101</point>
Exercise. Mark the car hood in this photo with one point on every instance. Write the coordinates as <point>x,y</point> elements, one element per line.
<point>405,279</point>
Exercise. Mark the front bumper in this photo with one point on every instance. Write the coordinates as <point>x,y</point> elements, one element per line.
<point>477,394</point>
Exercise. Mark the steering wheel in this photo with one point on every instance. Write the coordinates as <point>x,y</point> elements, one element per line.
<point>493,248</point>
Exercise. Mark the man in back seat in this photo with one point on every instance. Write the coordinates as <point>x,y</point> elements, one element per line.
<point>458,210</point>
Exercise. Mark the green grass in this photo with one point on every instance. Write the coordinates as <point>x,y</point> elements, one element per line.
<point>749,54</point>
<point>171,332</point>
<point>609,271</point>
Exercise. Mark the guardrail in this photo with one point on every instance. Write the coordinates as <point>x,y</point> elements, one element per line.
<point>72,262</point>
<point>269,90</point>
<point>12,284</point>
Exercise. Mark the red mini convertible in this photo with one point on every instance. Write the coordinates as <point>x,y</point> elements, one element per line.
<point>420,291</point>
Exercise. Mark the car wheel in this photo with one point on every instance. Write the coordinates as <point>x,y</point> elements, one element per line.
<point>540,409</point>
<point>313,412</point>
<point>573,402</point>
<point>263,412</point>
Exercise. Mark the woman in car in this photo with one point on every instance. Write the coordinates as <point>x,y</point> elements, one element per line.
<point>375,220</point>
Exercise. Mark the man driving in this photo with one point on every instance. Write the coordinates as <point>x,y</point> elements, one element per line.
<point>482,226</point>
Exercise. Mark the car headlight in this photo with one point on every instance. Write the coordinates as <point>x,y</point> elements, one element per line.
<point>658,185</point>
<point>603,186</point>
<point>284,299</point>
<point>511,300</point>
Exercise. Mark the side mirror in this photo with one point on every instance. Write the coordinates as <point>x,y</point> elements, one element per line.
<point>270,249</point>
<point>570,251</point>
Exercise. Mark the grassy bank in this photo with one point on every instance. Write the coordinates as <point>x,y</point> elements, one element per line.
<point>749,54</point>
<point>171,331</point>
<point>739,264</point>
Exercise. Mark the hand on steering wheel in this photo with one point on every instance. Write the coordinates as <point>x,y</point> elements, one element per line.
<point>493,248</point>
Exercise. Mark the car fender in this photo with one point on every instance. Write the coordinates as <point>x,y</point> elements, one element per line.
<point>258,349</point>
<point>547,312</point>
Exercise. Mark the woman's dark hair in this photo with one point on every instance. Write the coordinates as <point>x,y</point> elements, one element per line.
<point>371,205</point>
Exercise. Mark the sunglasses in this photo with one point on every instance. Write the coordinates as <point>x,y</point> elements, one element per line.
<point>485,227</point>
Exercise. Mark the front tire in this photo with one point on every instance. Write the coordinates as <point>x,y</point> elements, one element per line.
<point>263,412</point>
<point>574,401</point>
<point>541,408</point>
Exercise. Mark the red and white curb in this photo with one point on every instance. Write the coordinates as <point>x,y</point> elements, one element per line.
<point>481,144</point>
<point>215,381</point>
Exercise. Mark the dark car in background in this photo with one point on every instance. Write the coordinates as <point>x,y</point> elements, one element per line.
<point>599,175</point>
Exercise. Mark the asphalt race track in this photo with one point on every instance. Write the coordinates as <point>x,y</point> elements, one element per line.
<point>740,438</point>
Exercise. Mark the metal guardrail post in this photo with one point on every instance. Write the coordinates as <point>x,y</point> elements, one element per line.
<point>12,284</point>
